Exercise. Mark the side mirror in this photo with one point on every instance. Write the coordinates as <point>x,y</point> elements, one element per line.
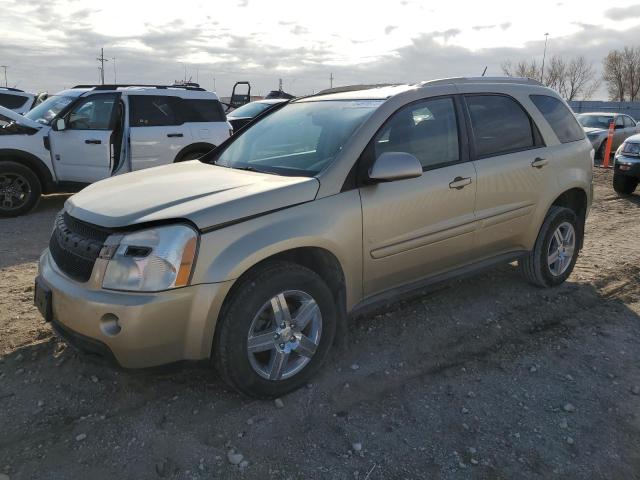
<point>391,166</point>
<point>60,125</point>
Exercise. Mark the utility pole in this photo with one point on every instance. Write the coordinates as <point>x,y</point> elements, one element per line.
<point>544,56</point>
<point>280,84</point>
<point>101,59</point>
<point>6,84</point>
<point>214,84</point>
<point>331,80</point>
<point>115,75</point>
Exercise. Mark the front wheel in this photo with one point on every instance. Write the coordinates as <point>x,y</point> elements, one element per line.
<point>556,249</point>
<point>20,189</point>
<point>275,331</point>
<point>623,184</point>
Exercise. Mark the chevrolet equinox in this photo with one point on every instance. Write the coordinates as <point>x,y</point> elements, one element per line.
<point>255,255</point>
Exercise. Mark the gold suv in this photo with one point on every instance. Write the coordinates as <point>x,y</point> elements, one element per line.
<point>254,255</point>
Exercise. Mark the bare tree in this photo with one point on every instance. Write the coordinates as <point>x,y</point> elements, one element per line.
<point>631,58</point>
<point>580,79</point>
<point>614,75</point>
<point>573,78</point>
<point>522,69</point>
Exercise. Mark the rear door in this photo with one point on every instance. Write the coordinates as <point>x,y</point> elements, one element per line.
<point>156,130</point>
<point>205,119</point>
<point>422,226</point>
<point>83,152</point>
<point>630,126</point>
<point>512,164</point>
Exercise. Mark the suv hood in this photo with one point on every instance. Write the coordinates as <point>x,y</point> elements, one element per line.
<point>11,116</point>
<point>207,195</point>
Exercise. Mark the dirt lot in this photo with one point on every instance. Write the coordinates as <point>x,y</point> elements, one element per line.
<point>485,378</point>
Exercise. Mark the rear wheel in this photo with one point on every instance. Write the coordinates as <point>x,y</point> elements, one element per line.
<point>623,184</point>
<point>275,331</point>
<point>20,189</point>
<point>600,152</point>
<point>556,249</point>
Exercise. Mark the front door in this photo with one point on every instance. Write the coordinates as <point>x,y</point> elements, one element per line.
<point>418,227</point>
<point>83,152</point>
<point>157,132</point>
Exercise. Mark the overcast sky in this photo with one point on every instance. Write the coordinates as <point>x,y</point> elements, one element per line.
<point>49,45</point>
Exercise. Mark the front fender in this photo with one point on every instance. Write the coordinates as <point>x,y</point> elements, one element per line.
<point>332,223</point>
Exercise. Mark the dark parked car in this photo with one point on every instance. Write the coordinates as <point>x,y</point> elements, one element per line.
<point>596,126</point>
<point>626,173</point>
<point>244,114</point>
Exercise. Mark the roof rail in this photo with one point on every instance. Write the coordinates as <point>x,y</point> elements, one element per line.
<point>115,86</point>
<point>458,80</point>
<point>11,89</point>
<point>352,88</point>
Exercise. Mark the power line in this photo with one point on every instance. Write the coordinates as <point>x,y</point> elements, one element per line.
<point>101,59</point>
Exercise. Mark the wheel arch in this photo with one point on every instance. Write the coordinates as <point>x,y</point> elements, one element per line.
<point>194,147</point>
<point>317,259</point>
<point>575,199</point>
<point>32,162</point>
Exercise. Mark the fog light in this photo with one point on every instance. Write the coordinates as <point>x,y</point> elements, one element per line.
<point>625,167</point>
<point>109,324</point>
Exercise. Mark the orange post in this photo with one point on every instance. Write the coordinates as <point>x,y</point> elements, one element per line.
<point>607,149</point>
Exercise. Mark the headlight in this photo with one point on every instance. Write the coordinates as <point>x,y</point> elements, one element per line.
<point>151,260</point>
<point>630,148</point>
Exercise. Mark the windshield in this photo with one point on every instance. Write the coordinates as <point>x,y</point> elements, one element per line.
<point>298,140</point>
<point>47,110</point>
<point>250,109</point>
<point>595,121</point>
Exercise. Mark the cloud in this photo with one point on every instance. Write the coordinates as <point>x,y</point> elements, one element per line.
<point>623,13</point>
<point>389,28</point>
<point>299,30</point>
<point>243,3</point>
<point>505,25</point>
<point>447,34</point>
<point>483,27</point>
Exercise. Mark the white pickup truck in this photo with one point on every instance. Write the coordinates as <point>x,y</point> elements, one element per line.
<point>89,133</point>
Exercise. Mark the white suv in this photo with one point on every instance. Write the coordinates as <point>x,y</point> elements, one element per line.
<point>89,133</point>
<point>18,100</point>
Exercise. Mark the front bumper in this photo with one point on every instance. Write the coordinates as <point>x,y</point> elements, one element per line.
<point>154,328</point>
<point>629,166</point>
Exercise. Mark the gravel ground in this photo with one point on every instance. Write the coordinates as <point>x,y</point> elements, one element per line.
<point>485,378</point>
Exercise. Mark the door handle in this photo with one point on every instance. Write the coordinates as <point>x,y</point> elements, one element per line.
<point>460,182</point>
<point>93,141</point>
<point>170,135</point>
<point>539,162</point>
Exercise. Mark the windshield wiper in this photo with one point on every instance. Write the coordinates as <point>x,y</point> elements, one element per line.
<point>254,169</point>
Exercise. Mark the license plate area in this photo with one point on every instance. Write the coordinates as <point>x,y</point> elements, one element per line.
<point>43,300</point>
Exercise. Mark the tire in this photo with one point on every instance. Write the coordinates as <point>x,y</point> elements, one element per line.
<point>254,374</point>
<point>536,266</point>
<point>600,152</point>
<point>20,189</point>
<point>623,184</point>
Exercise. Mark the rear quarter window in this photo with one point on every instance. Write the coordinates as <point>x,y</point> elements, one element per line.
<point>196,110</point>
<point>559,117</point>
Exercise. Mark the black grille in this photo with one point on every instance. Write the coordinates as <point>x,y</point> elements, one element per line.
<point>75,246</point>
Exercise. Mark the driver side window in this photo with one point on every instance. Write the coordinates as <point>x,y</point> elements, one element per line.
<point>427,130</point>
<point>94,113</point>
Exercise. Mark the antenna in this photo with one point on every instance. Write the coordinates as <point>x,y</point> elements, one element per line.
<point>484,71</point>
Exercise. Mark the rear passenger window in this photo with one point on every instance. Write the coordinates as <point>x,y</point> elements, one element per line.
<point>152,111</point>
<point>500,125</point>
<point>427,130</point>
<point>196,110</point>
<point>12,101</point>
<point>559,117</point>
<point>628,122</point>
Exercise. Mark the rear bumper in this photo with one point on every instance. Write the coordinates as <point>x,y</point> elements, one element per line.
<point>152,328</point>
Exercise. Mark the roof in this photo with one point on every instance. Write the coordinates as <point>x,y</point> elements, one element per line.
<point>604,114</point>
<point>384,91</point>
